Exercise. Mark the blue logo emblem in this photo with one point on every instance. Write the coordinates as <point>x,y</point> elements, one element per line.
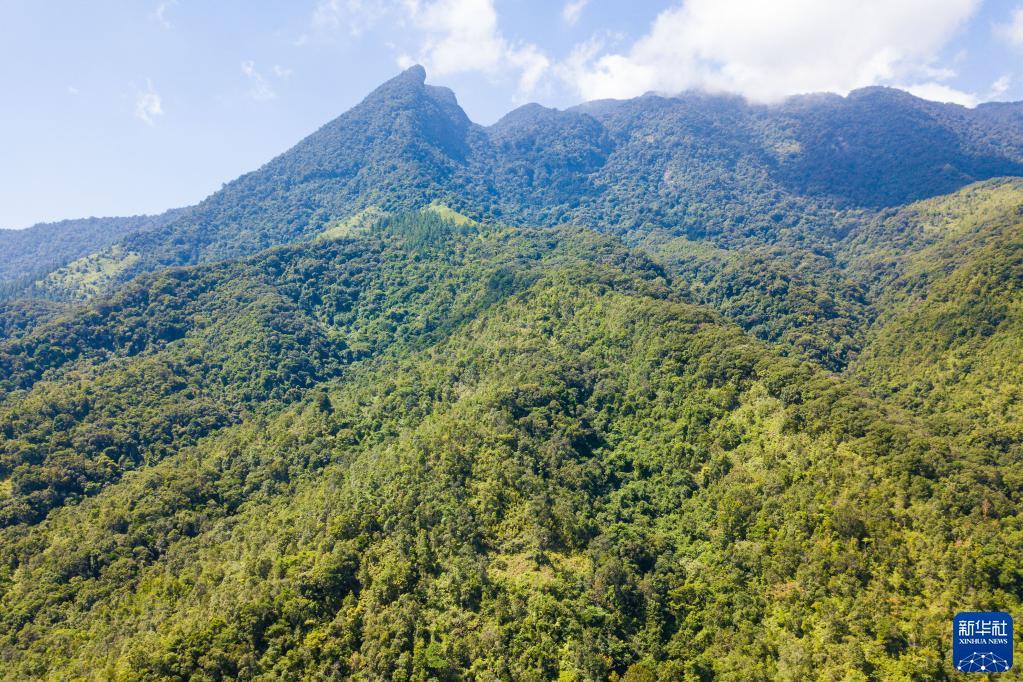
<point>982,642</point>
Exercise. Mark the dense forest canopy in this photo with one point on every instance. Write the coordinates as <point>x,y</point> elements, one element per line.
<point>668,388</point>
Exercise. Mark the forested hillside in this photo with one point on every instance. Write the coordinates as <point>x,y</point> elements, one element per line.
<point>428,449</point>
<point>947,344</point>
<point>175,356</point>
<point>674,388</point>
<point>704,167</point>
<point>38,250</point>
<point>698,165</point>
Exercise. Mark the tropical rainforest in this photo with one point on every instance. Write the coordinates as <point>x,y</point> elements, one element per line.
<point>672,388</point>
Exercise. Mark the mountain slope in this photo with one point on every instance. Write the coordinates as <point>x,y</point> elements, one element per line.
<point>584,481</point>
<point>699,166</point>
<point>396,149</point>
<point>705,165</point>
<point>183,353</point>
<point>947,343</point>
<point>35,251</point>
<point>354,417</point>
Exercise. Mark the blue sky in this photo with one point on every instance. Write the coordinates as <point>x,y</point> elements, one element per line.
<point>118,107</point>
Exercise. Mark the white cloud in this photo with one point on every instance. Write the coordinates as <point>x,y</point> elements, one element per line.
<point>282,71</point>
<point>327,14</point>
<point>1001,86</point>
<point>938,73</point>
<point>259,88</point>
<point>148,105</point>
<point>463,36</point>
<point>354,15</point>
<point>1013,30</point>
<point>450,36</point>
<point>572,10</point>
<point>939,92</point>
<point>767,50</point>
<point>160,13</point>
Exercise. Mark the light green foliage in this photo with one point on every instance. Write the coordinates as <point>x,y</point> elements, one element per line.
<point>29,255</point>
<point>947,343</point>
<point>451,215</point>
<point>82,279</point>
<point>352,227</point>
<point>512,454</point>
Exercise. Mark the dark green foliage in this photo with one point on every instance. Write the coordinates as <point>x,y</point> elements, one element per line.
<point>705,167</point>
<point>800,299</point>
<point>19,316</point>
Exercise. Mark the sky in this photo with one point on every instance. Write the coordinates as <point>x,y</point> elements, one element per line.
<point>123,107</point>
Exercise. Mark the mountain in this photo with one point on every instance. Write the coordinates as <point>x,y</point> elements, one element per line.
<point>706,167</point>
<point>698,165</point>
<point>946,341</point>
<point>669,388</point>
<point>36,251</point>
<point>429,449</point>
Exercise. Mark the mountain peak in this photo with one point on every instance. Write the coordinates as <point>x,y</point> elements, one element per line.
<point>409,142</point>
<point>409,90</point>
<point>410,82</point>
<point>415,73</point>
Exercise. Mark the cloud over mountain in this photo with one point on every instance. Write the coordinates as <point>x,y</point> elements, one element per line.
<point>769,50</point>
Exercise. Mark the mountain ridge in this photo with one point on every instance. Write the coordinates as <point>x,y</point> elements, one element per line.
<point>705,166</point>
<point>743,404</point>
